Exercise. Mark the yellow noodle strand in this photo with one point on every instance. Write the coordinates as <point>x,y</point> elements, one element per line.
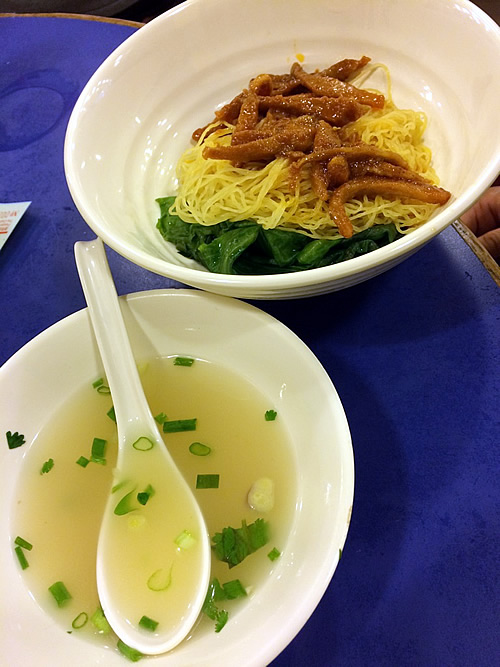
<point>212,191</point>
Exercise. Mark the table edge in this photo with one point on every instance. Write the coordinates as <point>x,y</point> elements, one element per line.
<point>68,15</point>
<point>479,250</point>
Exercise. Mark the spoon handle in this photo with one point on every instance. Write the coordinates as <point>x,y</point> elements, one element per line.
<point>111,334</point>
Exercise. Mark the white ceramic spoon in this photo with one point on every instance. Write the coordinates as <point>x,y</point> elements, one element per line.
<point>153,559</point>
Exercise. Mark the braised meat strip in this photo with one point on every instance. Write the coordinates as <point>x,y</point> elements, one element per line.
<point>299,116</point>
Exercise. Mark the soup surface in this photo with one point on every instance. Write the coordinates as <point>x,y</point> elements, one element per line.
<point>59,511</point>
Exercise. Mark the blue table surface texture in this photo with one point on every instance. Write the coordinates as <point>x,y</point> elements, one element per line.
<point>413,354</point>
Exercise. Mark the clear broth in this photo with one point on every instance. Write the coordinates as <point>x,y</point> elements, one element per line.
<point>60,512</point>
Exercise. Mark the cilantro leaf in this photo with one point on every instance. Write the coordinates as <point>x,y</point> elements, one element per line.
<point>233,545</point>
<point>15,439</point>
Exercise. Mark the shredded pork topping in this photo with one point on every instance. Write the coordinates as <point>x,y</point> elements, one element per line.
<point>299,116</point>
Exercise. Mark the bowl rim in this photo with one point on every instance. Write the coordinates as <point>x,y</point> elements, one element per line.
<point>241,284</point>
<point>78,324</point>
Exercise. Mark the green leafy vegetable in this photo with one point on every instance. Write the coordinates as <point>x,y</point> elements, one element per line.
<point>233,545</point>
<point>234,589</point>
<point>47,466</point>
<point>228,591</point>
<point>245,247</point>
<point>270,415</point>
<point>178,425</point>
<point>145,495</point>
<point>210,481</point>
<point>15,440</point>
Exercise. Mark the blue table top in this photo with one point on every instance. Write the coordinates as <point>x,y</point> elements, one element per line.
<point>413,353</point>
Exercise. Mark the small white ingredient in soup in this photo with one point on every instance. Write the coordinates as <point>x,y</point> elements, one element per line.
<point>261,495</point>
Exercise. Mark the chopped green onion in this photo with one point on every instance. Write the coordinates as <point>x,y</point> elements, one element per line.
<point>221,621</point>
<point>23,561</point>
<point>274,554</point>
<point>98,383</point>
<point>118,486</point>
<point>103,389</point>
<point>23,543</point>
<point>199,449</point>
<point>131,653</point>
<point>178,425</point>
<point>125,506</point>
<point>47,466</point>
<point>183,361</point>
<point>207,481</point>
<point>80,620</point>
<point>111,413</point>
<point>145,495</point>
<point>185,540</point>
<point>270,415</point>
<point>83,461</point>
<point>98,452</point>
<point>161,418</point>
<point>143,444</point>
<point>60,593</point>
<point>100,622</point>
<point>233,545</point>
<point>234,589</point>
<point>148,623</point>
<point>15,440</point>
<point>160,580</point>
<point>340,554</point>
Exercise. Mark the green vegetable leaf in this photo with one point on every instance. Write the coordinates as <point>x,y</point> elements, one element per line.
<point>15,440</point>
<point>245,247</point>
<point>220,254</point>
<point>233,545</point>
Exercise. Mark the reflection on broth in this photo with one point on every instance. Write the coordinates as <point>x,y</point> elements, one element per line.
<point>59,511</point>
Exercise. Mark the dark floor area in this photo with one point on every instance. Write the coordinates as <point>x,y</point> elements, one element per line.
<point>147,9</point>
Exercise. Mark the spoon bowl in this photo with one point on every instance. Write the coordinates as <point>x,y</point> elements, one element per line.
<point>153,556</point>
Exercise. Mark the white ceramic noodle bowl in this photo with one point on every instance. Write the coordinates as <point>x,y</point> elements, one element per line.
<point>136,115</point>
<point>135,421</point>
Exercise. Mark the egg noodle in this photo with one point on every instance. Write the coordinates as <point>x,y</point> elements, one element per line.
<point>212,191</point>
